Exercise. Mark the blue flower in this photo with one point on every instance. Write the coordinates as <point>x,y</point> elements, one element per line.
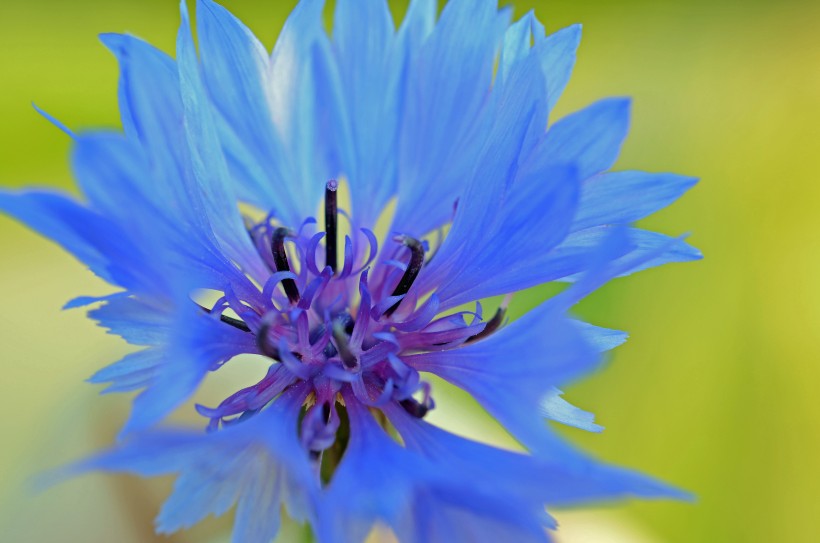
<point>437,129</point>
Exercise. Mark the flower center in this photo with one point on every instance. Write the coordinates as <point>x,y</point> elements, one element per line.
<point>328,329</point>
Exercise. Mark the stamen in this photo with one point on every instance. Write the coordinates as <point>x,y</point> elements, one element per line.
<point>414,407</point>
<point>419,408</point>
<point>236,323</point>
<point>280,258</point>
<point>494,323</point>
<point>326,412</point>
<point>267,348</point>
<point>331,222</point>
<point>412,271</point>
<point>340,339</point>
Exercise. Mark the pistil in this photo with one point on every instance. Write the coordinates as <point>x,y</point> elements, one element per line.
<point>331,222</point>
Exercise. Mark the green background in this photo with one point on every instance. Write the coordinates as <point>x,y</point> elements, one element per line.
<point>716,390</point>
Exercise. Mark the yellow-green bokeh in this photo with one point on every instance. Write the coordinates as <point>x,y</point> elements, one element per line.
<point>716,389</point>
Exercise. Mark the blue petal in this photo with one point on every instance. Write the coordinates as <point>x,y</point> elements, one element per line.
<point>556,53</point>
<point>258,463</point>
<point>603,339</point>
<point>556,408</point>
<point>305,98</point>
<point>417,25</point>
<point>491,180</point>
<point>518,43</point>
<point>513,373</point>
<point>661,248</point>
<point>370,68</point>
<point>424,501</point>
<point>569,477</point>
<point>235,69</point>
<point>591,138</point>
<point>134,372</point>
<point>374,481</point>
<point>535,218</point>
<point>53,120</point>
<point>136,321</point>
<point>569,259</point>
<point>150,104</point>
<point>153,115</point>
<point>218,201</point>
<point>114,175</point>
<point>167,237</point>
<point>443,128</point>
<point>199,344</point>
<point>558,60</point>
<point>96,241</point>
<point>626,197</point>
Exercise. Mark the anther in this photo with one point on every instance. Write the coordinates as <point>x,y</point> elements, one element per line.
<point>264,345</point>
<point>494,323</point>
<point>236,323</point>
<point>280,258</point>
<point>331,221</point>
<point>414,407</point>
<point>340,339</point>
<point>412,271</point>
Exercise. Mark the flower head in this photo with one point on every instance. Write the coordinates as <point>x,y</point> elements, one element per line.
<point>437,129</point>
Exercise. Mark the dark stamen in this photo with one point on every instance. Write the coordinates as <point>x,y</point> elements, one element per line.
<point>264,345</point>
<point>280,258</point>
<point>494,323</point>
<point>413,268</point>
<point>340,338</point>
<point>236,323</point>
<point>331,221</point>
<point>414,407</point>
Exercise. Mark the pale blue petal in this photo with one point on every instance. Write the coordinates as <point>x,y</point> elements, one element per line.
<point>568,478</point>
<point>95,240</point>
<point>370,68</point>
<point>152,114</point>
<point>235,69</point>
<point>643,243</point>
<point>443,128</point>
<point>556,408</point>
<point>491,179</point>
<point>258,463</point>
<point>538,213</point>
<point>210,172</point>
<point>200,344</point>
<point>168,238</point>
<point>602,339</point>
<point>518,41</point>
<point>374,481</point>
<point>626,197</point>
<point>134,372</point>
<point>53,120</point>
<point>257,511</point>
<point>514,372</point>
<point>114,175</point>
<point>591,138</point>
<point>305,99</point>
<point>558,60</point>
<point>378,480</point>
<point>137,321</point>
<point>150,105</point>
<point>417,25</point>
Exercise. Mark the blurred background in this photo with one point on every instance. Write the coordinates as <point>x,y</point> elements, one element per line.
<point>716,391</point>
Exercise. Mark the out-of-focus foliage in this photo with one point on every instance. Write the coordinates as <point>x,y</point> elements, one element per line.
<point>715,391</point>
